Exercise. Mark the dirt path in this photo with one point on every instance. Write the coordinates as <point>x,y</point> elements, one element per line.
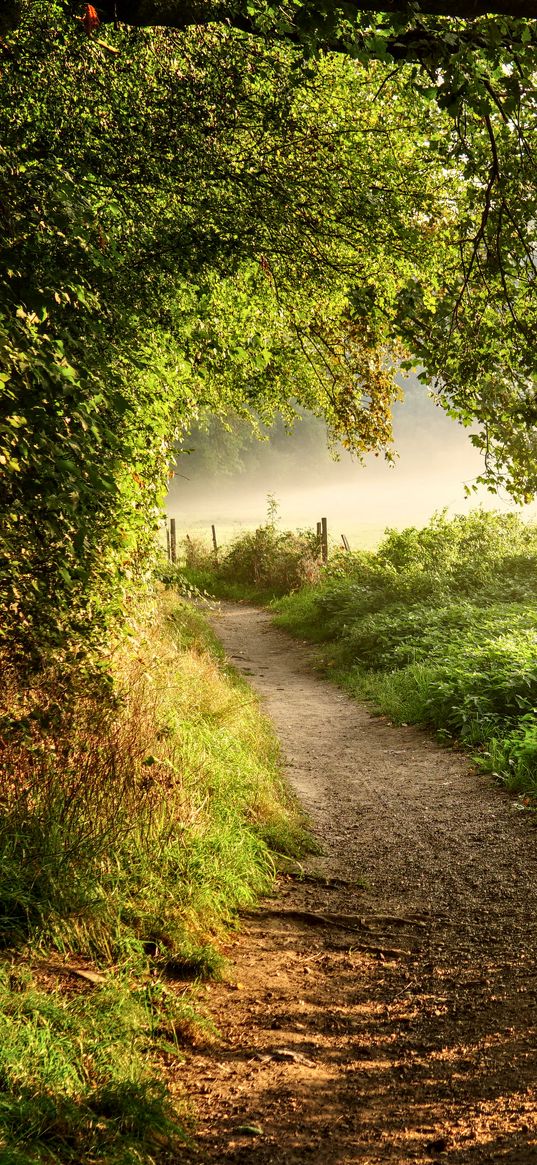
<point>424,1049</point>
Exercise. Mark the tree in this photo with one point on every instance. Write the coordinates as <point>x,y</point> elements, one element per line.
<point>479,69</point>
<point>204,221</point>
<point>173,14</point>
<point>149,274</point>
<point>428,31</point>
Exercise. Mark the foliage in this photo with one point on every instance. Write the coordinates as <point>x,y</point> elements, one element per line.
<point>201,222</point>
<point>259,564</point>
<point>439,627</point>
<point>80,1071</point>
<point>233,445</point>
<point>105,353</point>
<point>131,829</point>
<point>138,818</point>
<point>272,560</point>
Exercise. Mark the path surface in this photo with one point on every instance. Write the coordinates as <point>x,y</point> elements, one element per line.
<point>423,1049</point>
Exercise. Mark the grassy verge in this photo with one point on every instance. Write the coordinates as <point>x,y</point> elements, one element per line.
<point>212,585</point>
<point>82,1071</point>
<point>135,820</point>
<point>439,628</point>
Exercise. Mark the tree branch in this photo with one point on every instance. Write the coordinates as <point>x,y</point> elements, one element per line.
<point>312,22</point>
<point>177,14</point>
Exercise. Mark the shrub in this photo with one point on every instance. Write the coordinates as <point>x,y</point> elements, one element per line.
<point>197,555</point>
<point>272,560</point>
<point>482,558</point>
<point>260,563</point>
<point>439,627</point>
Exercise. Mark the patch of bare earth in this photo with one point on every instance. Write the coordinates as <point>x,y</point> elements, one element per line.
<point>401,1025</point>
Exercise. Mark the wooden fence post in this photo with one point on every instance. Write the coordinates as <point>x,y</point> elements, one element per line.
<point>345,541</point>
<point>324,539</point>
<point>168,550</point>
<point>173,541</point>
<point>319,537</point>
<point>215,543</point>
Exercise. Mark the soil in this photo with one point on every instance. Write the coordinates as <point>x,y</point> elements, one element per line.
<point>400,1026</point>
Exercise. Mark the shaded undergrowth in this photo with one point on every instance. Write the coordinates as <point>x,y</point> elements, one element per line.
<point>139,810</point>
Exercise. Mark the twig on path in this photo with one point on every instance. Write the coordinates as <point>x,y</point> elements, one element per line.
<point>374,949</point>
<point>407,986</point>
<point>325,882</point>
<point>369,948</point>
<point>344,921</point>
<point>348,922</point>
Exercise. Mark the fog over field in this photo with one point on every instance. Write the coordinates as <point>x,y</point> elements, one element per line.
<point>435,460</point>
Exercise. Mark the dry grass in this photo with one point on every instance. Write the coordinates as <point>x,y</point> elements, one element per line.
<point>135,798</point>
<point>135,802</point>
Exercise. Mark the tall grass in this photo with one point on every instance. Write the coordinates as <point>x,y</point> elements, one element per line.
<point>80,1073</point>
<point>258,564</point>
<point>138,808</point>
<point>137,815</point>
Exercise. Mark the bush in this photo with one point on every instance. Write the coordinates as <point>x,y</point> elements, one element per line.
<point>439,627</point>
<point>197,555</point>
<point>259,564</point>
<point>481,558</point>
<point>272,560</point>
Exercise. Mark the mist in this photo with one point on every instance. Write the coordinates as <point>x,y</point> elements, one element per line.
<point>434,462</point>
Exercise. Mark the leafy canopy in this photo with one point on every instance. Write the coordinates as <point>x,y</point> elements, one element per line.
<point>204,221</point>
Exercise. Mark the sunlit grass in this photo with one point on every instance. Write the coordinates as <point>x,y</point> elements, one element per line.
<point>141,879</point>
<point>79,1072</point>
<point>439,628</point>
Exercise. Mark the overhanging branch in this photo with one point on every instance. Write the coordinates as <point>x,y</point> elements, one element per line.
<point>177,14</point>
<point>309,17</point>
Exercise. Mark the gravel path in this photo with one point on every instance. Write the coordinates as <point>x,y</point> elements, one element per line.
<point>403,1029</point>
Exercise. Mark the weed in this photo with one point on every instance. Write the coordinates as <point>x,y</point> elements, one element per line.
<point>439,628</point>
<point>258,564</point>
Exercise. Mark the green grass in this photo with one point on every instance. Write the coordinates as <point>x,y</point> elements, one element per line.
<point>212,586</point>
<point>439,628</point>
<point>165,812</point>
<point>298,613</point>
<point>79,1073</point>
<point>172,859</point>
